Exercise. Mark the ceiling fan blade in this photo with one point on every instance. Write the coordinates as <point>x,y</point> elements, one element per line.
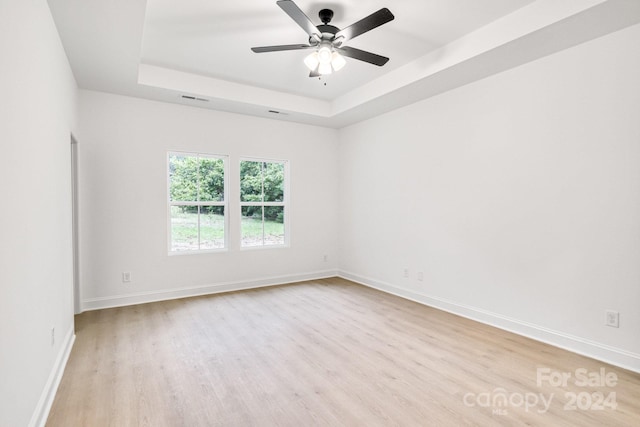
<point>291,9</point>
<point>372,21</point>
<point>362,55</point>
<point>263,49</point>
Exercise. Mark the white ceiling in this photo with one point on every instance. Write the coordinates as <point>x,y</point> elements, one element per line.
<point>214,38</point>
<point>163,49</point>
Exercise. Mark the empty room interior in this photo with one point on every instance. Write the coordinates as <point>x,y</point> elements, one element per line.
<point>307,213</point>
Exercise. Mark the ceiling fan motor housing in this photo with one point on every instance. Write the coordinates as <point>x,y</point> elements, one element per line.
<point>325,15</point>
<point>327,32</point>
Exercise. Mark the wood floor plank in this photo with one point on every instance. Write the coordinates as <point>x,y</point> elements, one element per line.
<point>320,353</point>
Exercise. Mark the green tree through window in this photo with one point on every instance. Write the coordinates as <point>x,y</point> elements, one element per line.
<point>197,202</point>
<point>262,202</point>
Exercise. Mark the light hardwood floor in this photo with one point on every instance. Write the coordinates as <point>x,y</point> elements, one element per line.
<point>322,353</point>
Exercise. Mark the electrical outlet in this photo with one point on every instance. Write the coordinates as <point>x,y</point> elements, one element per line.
<point>325,258</point>
<point>613,319</point>
<point>420,276</point>
<point>53,335</point>
<point>126,277</point>
<point>405,272</point>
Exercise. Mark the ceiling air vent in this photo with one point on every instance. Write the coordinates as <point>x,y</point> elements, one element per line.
<point>278,112</point>
<point>195,98</point>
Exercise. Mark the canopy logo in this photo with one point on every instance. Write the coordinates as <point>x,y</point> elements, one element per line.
<point>500,400</point>
<point>597,399</point>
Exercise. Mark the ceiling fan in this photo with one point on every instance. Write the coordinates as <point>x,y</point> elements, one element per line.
<point>328,40</point>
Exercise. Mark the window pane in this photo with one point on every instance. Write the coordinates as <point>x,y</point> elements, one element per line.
<point>251,226</point>
<point>211,227</point>
<point>274,182</point>
<point>183,178</point>
<point>274,225</point>
<point>250,181</point>
<point>184,228</point>
<point>211,178</point>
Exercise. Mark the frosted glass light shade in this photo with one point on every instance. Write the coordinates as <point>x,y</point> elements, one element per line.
<point>325,68</point>
<point>312,61</point>
<point>337,61</point>
<point>324,55</point>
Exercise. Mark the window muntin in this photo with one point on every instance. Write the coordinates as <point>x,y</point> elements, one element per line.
<point>197,202</point>
<point>263,188</point>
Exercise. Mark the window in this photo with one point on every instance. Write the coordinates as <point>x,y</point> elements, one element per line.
<point>197,202</point>
<point>263,200</point>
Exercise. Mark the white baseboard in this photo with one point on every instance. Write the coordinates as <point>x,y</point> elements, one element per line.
<point>168,294</point>
<point>614,356</point>
<point>39,417</point>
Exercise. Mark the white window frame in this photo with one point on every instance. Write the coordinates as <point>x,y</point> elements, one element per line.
<point>224,203</point>
<point>285,203</point>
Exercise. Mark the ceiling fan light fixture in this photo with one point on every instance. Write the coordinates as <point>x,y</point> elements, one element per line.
<point>325,54</point>
<point>337,61</point>
<point>325,68</point>
<point>325,61</point>
<point>312,61</point>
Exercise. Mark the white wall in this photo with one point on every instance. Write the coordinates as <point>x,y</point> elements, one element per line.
<point>517,196</point>
<point>37,113</point>
<point>123,199</point>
